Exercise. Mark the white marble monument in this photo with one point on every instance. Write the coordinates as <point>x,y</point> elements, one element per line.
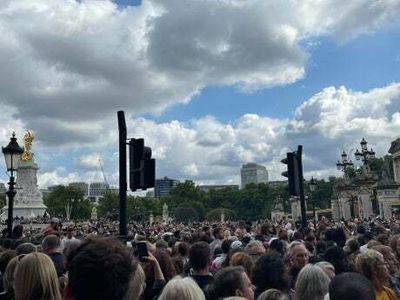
<point>28,201</point>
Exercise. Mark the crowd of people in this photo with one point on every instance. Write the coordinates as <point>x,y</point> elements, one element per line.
<point>354,259</point>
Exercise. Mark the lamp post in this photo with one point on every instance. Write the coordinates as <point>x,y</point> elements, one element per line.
<point>344,164</point>
<point>313,185</point>
<point>12,154</point>
<point>364,155</point>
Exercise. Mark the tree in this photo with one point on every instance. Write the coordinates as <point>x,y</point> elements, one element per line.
<point>108,205</point>
<point>68,202</point>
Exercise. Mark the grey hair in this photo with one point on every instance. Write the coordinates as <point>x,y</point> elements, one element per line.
<point>312,283</point>
<point>182,289</point>
<point>252,245</point>
<point>324,265</point>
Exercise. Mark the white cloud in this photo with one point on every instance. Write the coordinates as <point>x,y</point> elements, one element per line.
<point>68,65</point>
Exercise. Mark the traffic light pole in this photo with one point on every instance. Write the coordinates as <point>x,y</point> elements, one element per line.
<point>122,175</point>
<point>301,187</point>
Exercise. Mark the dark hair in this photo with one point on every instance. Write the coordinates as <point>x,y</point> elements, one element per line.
<point>278,246</point>
<point>269,273</point>
<point>351,286</point>
<point>51,242</point>
<point>17,231</point>
<point>25,248</point>
<point>182,249</point>
<point>226,246</point>
<point>227,281</point>
<point>199,255</point>
<point>338,258</point>
<point>5,258</point>
<point>100,268</point>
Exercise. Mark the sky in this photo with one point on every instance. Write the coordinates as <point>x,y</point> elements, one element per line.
<point>209,84</point>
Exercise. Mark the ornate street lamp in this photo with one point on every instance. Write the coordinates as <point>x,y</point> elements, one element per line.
<point>12,154</point>
<point>313,186</point>
<point>364,154</point>
<point>344,164</point>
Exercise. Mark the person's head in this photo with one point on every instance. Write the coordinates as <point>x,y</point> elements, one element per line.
<point>226,246</point>
<point>351,286</point>
<point>137,285</point>
<point>199,255</point>
<point>255,249</point>
<point>182,289</point>
<point>182,249</point>
<point>352,245</point>
<point>17,231</point>
<point>389,258</point>
<point>372,265</point>
<point>218,233</point>
<point>233,281</point>
<point>272,294</point>
<point>337,257</point>
<point>270,273</point>
<point>50,243</point>
<point>100,268</point>
<point>299,255</point>
<point>8,275</point>
<point>312,283</point>
<point>395,244</point>
<point>25,248</point>
<point>5,258</point>
<point>277,246</point>
<point>36,278</point>
<point>244,260</point>
<point>327,267</point>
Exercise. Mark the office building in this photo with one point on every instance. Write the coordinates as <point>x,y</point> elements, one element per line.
<point>253,173</point>
<point>163,186</point>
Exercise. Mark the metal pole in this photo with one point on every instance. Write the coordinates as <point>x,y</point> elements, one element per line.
<point>122,175</point>
<point>10,193</point>
<point>301,187</point>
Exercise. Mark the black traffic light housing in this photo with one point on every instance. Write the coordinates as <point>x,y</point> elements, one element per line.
<point>142,168</point>
<point>292,173</point>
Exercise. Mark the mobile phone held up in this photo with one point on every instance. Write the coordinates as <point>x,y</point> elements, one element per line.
<point>142,251</point>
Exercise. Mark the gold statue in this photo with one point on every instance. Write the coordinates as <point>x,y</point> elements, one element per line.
<point>28,138</point>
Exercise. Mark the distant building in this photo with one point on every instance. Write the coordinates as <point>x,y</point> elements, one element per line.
<point>253,173</point>
<point>207,188</point>
<point>2,188</point>
<point>97,190</point>
<point>278,183</point>
<point>163,186</point>
<point>83,186</point>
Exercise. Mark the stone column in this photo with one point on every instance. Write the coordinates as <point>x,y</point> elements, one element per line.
<point>335,209</point>
<point>387,195</point>
<point>395,151</point>
<point>344,204</point>
<point>365,203</point>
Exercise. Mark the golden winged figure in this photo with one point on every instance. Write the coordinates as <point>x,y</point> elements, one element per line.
<point>28,138</point>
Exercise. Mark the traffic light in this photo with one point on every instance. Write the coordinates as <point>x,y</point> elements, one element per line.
<point>292,173</point>
<point>142,168</point>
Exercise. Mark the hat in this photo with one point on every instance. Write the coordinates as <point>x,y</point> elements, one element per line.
<point>236,244</point>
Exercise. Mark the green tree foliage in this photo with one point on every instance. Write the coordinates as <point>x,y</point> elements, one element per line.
<point>64,200</point>
<point>108,205</point>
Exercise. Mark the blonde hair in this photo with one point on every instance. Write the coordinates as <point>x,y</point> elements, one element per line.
<point>180,288</point>
<point>244,260</point>
<point>36,278</point>
<point>137,284</point>
<point>367,261</point>
<point>272,294</point>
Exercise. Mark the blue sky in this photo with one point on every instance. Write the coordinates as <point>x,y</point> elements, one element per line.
<point>362,64</point>
<point>209,84</point>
